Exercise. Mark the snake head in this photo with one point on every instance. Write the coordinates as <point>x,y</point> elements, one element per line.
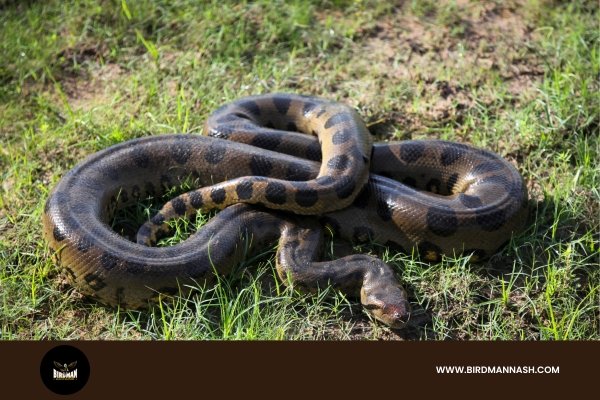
<point>388,304</point>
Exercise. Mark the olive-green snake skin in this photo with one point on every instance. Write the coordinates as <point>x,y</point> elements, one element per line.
<point>277,184</point>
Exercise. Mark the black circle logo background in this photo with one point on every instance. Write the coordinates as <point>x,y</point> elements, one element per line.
<point>65,355</point>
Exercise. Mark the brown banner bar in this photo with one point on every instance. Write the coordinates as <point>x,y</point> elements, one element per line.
<point>138,370</point>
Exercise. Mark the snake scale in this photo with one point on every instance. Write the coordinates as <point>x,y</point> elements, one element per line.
<point>281,167</point>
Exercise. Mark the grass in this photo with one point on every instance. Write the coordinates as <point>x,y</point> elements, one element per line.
<point>519,78</point>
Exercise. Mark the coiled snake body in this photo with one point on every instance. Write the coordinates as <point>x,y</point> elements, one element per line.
<point>434,196</point>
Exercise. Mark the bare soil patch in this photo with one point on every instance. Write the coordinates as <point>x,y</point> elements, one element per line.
<point>452,62</point>
<point>97,87</point>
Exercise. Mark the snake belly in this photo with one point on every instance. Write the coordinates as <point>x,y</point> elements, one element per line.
<point>433,196</point>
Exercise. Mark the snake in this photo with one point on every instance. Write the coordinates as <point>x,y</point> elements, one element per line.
<point>282,169</point>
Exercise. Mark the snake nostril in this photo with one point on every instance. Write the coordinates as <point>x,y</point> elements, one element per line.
<point>396,312</point>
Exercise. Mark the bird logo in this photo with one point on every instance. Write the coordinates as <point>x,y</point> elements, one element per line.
<point>65,367</point>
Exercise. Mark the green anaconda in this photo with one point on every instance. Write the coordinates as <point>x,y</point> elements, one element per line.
<point>281,167</point>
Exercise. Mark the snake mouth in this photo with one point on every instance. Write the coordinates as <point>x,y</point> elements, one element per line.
<point>395,315</point>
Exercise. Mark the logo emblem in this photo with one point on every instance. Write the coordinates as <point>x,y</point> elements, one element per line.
<point>65,369</point>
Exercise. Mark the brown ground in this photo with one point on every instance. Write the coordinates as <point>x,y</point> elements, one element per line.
<point>448,65</point>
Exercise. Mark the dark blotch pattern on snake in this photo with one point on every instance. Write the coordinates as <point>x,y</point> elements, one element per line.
<point>272,158</point>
